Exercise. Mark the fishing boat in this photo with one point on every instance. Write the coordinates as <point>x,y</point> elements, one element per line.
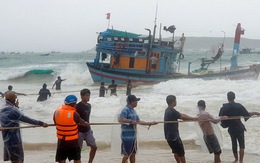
<point>245,51</point>
<point>124,56</point>
<point>249,51</point>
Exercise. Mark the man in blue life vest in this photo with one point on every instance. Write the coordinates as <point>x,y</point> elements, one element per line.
<point>67,120</point>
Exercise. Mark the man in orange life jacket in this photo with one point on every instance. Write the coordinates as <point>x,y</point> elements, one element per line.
<point>67,120</point>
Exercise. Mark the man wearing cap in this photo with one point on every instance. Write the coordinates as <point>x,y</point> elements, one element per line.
<point>85,133</point>
<point>10,116</point>
<point>67,120</point>
<point>129,119</point>
<point>236,128</point>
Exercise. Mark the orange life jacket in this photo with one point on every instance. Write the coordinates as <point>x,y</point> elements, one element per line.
<point>66,127</point>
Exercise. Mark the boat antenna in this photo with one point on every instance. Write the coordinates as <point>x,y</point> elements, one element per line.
<point>160,33</point>
<point>148,51</point>
<point>154,29</point>
<point>224,37</point>
<point>222,48</point>
<point>108,18</point>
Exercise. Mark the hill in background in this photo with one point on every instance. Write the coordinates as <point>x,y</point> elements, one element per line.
<point>206,43</point>
<point>197,43</point>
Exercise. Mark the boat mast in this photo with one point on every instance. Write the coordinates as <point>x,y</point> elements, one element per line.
<point>151,41</point>
<point>148,51</point>
<point>160,33</point>
<point>239,31</point>
<point>222,48</point>
<point>154,28</point>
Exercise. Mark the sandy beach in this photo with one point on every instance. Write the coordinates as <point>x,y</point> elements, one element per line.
<point>146,154</point>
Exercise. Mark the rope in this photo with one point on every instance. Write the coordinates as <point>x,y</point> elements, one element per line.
<point>56,92</point>
<point>148,123</point>
<point>229,118</point>
<point>95,89</point>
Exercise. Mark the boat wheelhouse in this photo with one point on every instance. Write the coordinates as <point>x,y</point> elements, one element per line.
<point>128,56</point>
<point>124,56</point>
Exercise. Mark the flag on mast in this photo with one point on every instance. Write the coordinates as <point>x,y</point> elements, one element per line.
<point>108,16</point>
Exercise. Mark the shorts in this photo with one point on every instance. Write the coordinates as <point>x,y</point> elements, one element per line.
<point>68,149</point>
<point>153,66</point>
<point>212,144</point>
<point>177,147</point>
<point>88,137</point>
<point>128,147</point>
<point>241,141</point>
<point>13,153</point>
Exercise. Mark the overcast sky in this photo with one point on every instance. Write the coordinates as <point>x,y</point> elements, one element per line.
<point>71,25</point>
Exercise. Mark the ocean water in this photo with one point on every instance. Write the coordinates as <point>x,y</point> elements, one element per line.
<point>27,72</point>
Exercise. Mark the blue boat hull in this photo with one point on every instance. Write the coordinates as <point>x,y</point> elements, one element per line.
<point>100,74</point>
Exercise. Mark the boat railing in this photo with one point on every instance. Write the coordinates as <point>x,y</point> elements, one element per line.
<point>122,48</point>
<point>169,45</point>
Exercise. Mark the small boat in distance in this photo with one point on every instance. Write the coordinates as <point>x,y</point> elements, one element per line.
<point>249,51</point>
<point>124,56</point>
<point>245,51</point>
<point>46,54</point>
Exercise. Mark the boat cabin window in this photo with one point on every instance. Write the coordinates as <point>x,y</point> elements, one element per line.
<point>109,39</point>
<point>100,38</point>
<point>136,40</point>
<point>131,39</point>
<point>122,39</point>
<point>116,38</point>
<point>131,62</point>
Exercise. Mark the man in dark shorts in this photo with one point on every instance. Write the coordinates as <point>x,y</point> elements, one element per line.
<point>129,87</point>
<point>57,83</point>
<point>209,136</point>
<point>85,133</point>
<point>236,128</point>
<point>112,88</point>
<point>171,130</point>
<point>129,131</point>
<point>102,89</point>
<point>67,120</point>
<point>10,116</point>
<point>44,93</point>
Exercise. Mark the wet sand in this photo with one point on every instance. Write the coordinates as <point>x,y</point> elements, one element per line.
<point>146,154</point>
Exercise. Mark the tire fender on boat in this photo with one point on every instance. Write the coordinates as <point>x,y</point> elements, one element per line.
<point>181,56</point>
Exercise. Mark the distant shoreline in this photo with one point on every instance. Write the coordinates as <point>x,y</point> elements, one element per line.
<point>191,43</point>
